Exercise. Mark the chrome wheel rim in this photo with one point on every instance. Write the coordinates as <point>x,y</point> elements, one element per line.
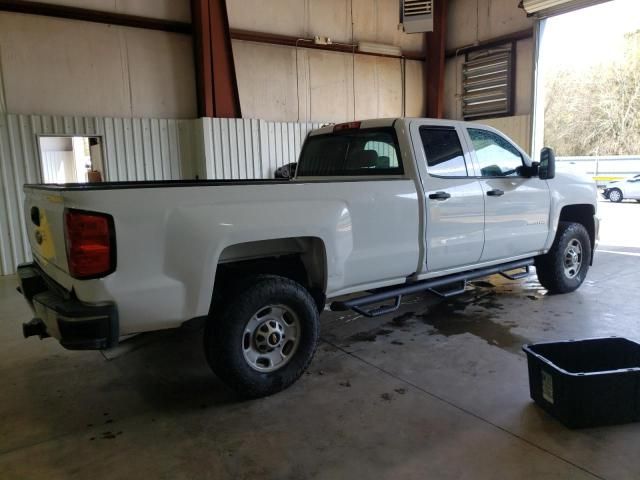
<point>271,338</point>
<point>572,258</point>
<point>614,196</point>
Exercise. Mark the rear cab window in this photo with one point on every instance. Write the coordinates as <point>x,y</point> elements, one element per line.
<point>356,152</point>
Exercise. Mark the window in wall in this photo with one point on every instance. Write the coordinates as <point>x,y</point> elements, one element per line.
<point>67,159</point>
<point>354,152</point>
<point>488,83</point>
<point>443,151</point>
<point>496,156</point>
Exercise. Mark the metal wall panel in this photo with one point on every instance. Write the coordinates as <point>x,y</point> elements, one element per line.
<point>249,148</point>
<point>133,149</point>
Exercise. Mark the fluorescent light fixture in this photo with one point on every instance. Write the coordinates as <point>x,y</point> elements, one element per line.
<point>379,48</point>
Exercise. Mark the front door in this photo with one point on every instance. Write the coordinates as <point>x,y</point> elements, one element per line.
<point>516,206</point>
<point>454,198</point>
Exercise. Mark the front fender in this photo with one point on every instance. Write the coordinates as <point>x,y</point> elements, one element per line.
<point>568,189</point>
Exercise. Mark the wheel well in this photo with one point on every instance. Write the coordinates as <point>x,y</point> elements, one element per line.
<point>300,259</point>
<point>582,214</point>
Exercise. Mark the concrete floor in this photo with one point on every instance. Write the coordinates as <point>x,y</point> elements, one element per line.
<point>437,390</point>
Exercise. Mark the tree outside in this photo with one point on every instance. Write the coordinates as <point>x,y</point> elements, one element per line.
<point>596,111</point>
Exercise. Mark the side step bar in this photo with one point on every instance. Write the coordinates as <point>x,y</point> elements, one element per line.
<point>359,304</point>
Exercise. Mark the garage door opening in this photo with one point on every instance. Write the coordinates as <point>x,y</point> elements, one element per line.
<point>71,159</point>
<point>588,109</point>
<point>588,90</point>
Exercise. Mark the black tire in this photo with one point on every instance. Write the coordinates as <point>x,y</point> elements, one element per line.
<point>618,197</point>
<point>551,266</point>
<point>225,336</point>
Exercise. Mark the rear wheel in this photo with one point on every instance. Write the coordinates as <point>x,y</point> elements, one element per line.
<point>565,266</point>
<point>264,336</point>
<point>615,195</point>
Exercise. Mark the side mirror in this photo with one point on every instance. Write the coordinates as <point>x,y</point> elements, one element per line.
<point>547,167</point>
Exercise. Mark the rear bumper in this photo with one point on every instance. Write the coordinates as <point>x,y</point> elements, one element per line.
<point>58,314</point>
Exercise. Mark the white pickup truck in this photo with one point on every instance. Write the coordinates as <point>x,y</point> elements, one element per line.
<point>383,207</point>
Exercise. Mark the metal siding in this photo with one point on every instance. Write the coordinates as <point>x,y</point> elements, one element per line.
<point>133,149</point>
<point>250,148</point>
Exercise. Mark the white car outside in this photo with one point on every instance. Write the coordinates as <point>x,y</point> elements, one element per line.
<point>623,189</point>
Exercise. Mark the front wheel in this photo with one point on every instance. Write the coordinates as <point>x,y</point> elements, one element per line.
<point>565,266</point>
<point>615,195</point>
<point>264,336</point>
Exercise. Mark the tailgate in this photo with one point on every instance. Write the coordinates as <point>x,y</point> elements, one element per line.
<point>44,218</point>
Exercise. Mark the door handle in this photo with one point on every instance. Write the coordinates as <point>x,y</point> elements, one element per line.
<point>496,192</point>
<point>439,196</point>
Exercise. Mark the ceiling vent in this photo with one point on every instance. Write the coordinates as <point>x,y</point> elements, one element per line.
<point>416,16</point>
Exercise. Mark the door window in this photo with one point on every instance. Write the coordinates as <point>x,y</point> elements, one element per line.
<point>443,151</point>
<point>496,156</point>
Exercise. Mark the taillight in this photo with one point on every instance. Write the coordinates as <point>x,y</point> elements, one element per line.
<point>90,243</point>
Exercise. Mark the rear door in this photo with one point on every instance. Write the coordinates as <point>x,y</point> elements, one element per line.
<point>516,206</point>
<point>454,205</point>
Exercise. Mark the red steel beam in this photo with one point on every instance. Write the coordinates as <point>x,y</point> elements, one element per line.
<point>215,70</point>
<point>96,16</point>
<point>202,50</point>
<point>289,41</point>
<point>225,85</point>
<point>435,61</point>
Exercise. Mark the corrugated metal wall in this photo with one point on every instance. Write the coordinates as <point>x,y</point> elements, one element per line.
<point>249,148</point>
<point>134,149</point>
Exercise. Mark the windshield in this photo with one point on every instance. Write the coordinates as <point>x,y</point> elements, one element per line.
<point>372,151</point>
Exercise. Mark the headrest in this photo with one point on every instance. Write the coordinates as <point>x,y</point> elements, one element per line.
<point>383,162</point>
<point>362,159</point>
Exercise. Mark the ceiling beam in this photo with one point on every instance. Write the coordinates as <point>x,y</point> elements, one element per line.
<point>435,61</point>
<point>95,16</point>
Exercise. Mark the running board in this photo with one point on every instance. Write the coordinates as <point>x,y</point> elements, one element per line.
<point>359,304</point>
<point>516,276</point>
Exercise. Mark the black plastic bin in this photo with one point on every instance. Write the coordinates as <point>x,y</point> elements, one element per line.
<point>586,383</point>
